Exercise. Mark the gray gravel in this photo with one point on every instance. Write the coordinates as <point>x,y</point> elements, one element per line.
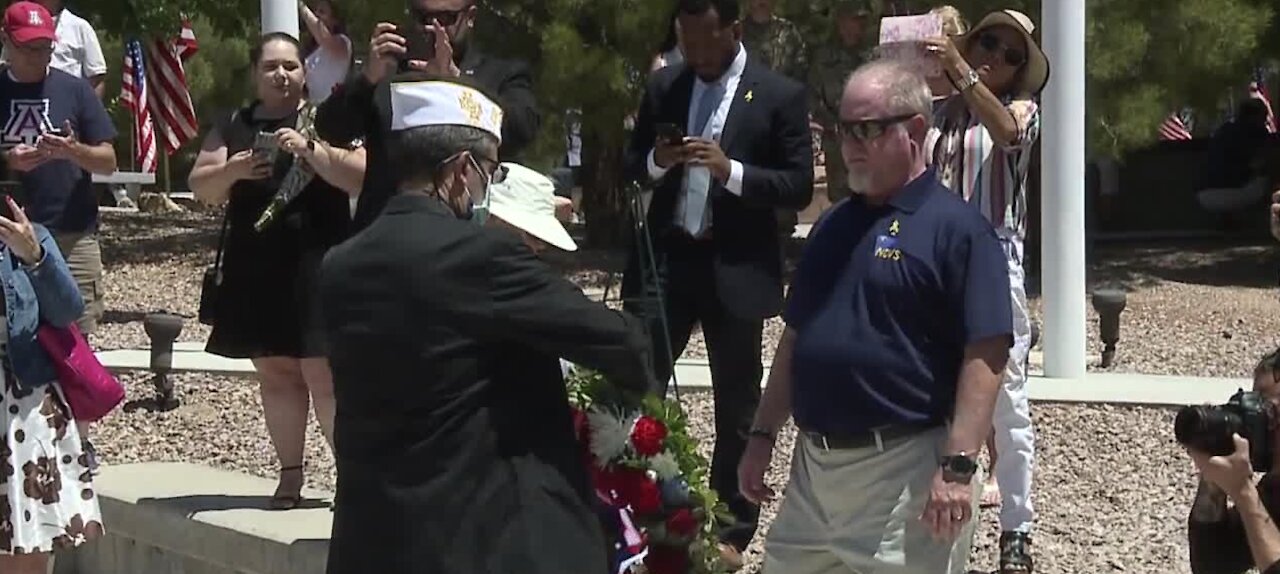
<point>1112,490</point>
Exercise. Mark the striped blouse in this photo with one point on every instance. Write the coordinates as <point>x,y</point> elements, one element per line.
<point>993,178</point>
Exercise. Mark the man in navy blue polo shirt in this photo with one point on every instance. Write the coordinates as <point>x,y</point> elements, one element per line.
<point>898,329</point>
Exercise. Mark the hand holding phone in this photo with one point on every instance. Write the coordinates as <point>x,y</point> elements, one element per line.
<point>668,147</point>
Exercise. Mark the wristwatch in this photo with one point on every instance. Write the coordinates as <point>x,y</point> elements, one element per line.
<point>762,433</point>
<point>311,145</point>
<point>969,80</point>
<point>958,467</point>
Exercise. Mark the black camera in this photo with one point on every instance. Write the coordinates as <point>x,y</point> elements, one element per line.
<point>1208,428</point>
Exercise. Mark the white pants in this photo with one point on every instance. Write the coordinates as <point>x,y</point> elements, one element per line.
<point>857,511</point>
<point>1015,439</point>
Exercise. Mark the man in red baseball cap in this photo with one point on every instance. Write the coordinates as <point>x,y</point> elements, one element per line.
<point>28,22</point>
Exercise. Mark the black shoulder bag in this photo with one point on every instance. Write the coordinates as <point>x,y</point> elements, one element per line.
<point>213,279</point>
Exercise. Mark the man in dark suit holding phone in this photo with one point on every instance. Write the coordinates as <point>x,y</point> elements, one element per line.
<point>434,40</point>
<point>713,219</point>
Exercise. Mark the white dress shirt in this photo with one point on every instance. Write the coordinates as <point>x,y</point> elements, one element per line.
<point>728,82</point>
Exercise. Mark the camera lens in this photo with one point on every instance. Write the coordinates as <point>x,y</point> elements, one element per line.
<point>1207,429</point>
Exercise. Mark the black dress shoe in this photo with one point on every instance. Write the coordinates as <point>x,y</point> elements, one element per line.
<point>1015,553</point>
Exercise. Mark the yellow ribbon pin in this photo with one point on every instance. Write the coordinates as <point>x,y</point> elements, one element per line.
<point>748,96</point>
<point>893,227</point>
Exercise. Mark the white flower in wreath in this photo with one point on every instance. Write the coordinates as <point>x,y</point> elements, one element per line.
<point>665,465</point>
<point>610,434</point>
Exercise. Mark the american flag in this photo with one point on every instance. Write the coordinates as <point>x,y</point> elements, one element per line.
<point>1174,128</point>
<point>1258,90</point>
<point>170,99</point>
<point>134,96</point>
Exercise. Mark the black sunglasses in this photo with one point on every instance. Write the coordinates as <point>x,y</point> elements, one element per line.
<point>867,130</point>
<point>446,18</point>
<point>1012,56</point>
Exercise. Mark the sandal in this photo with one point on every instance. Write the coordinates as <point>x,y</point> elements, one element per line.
<point>287,501</point>
<point>1015,553</point>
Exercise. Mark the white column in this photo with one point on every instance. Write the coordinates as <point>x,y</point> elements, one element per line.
<point>280,16</point>
<point>1062,189</point>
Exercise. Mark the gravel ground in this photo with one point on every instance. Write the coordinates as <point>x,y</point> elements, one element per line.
<point>1112,490</point>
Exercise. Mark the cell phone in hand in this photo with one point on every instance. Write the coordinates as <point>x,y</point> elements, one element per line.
<point>670,133</point>
<point>265,147</point>
<point>57,131</point>
<point>419,44</point>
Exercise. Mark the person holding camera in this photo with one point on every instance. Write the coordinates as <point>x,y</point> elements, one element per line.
<point>1226,540</point>
<point>437,43</point>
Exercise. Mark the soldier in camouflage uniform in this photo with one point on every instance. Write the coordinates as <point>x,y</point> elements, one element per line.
<point>777,43</point>
<point>849,46</point>
<point>774,40</point>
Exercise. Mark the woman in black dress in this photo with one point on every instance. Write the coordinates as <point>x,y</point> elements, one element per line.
<point>266,307</point>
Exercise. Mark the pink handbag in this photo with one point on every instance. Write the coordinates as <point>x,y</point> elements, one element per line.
<point>91,390</point>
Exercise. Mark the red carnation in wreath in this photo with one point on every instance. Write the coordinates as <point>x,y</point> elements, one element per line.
<point>647,436</point>
<point>682,524</point>
<point>667,560</point>
<point>640,492</point>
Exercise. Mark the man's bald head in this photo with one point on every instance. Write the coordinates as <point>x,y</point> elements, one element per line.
<point>896,85</point>
<point>885,115</point>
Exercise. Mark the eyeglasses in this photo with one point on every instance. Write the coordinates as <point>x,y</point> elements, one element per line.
<point>446,18</point>
<point>1014,57</point>
<point>497,175</point>
<point>867,130</point>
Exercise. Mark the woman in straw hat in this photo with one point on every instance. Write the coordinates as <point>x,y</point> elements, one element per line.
<point>982,144</point>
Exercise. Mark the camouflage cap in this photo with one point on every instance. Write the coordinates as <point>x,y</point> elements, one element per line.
<point>852,7</point>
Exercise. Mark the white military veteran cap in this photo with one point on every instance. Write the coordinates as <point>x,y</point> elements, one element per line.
<point>439,103</point>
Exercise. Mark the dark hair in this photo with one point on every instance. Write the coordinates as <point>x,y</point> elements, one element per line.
<point>421,150</point>
<point>309,44</point>
<point>669,43</point>
<point>1269,364</point>
<point>1251,110</point>
<point>255,53</point>
<point>727,10</point>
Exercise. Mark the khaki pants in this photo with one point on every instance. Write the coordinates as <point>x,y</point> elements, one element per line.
<point>84,258</point>
<point>857,511</point>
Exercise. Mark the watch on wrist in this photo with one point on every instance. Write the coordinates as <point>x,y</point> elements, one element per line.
<point>311,145</point>
<point>958,467</point>
<point>968,80</point>
<point>762,433</point>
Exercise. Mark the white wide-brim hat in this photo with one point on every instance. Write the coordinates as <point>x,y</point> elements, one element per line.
<point>526,200</point>
<point>1035,73</point>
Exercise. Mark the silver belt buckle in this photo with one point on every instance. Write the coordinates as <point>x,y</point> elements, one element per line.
<point>822,441</point>
<point>875,432</point>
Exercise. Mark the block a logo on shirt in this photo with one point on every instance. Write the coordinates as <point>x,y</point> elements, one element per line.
<point>28,120</point>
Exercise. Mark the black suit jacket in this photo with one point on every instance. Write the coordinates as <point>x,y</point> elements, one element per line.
<point>454,439</point>
<point>360,110</point>
<point>767,130</point>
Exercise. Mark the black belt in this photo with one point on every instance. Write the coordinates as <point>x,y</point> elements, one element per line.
<point>872,437</point>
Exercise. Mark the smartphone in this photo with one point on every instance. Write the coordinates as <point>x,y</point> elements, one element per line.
<point>265,146</point>
<point>418,42</point>
<point>57,132</point>
<point>670,133</point>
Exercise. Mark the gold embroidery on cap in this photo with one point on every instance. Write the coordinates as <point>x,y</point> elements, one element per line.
<point>470,106</point>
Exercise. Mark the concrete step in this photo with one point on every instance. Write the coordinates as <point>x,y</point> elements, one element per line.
<point>179,517</point>
<point>695,375</point>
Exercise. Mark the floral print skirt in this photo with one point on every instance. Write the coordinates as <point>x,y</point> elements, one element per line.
<point>46,495</point>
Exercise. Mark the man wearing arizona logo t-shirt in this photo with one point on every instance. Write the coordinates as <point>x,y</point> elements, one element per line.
<point>55,132</point>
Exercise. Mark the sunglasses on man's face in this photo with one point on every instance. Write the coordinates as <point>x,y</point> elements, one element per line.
<point>446,18</point>
<point>1014,57</point>
<point>867,130</point>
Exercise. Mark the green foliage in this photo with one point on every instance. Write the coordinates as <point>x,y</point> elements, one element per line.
<point>127,18</point>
